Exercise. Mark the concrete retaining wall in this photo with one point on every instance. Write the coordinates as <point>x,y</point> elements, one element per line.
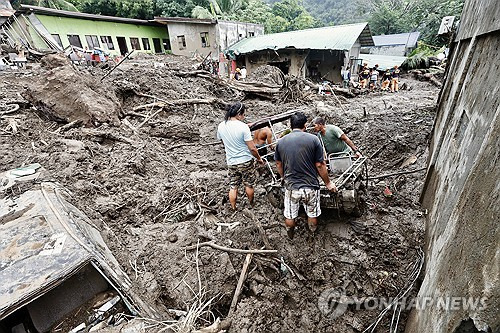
<point>462,187</point>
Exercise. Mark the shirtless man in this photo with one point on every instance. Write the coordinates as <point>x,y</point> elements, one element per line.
<point>261,138</point>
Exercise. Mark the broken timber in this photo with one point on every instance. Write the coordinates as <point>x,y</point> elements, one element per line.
<point>228,249</point>
<point>181,102</point>
<point>241,280</point>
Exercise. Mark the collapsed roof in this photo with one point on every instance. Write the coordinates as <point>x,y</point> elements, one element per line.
<point>340,37</point>
<point>46,240</point>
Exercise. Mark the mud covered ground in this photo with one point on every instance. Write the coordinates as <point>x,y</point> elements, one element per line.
<point>156,185</point>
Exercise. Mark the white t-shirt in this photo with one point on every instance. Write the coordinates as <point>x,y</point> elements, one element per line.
<point>243,73</point>
<point>234,133</point>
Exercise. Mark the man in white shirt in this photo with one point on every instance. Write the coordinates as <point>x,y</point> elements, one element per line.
<point>241,152</point>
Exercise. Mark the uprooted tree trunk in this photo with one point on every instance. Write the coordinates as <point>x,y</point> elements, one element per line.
<point>342,91</point>
<point>419,75</point>
<point>289,90</point>
<point>164,103</point>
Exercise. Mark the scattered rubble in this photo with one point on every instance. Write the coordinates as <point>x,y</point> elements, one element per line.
<point>153,179</point>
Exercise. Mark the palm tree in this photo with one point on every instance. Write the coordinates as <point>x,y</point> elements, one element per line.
<point>219,9</point>
<point>55,4</point>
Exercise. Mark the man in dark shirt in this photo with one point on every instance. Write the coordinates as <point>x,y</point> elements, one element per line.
<point>386,79</point>
<point>395,79</point>
<point>299,159</point>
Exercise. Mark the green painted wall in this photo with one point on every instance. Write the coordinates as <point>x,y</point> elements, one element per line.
<point>18,29</point>
<point>64,26</point>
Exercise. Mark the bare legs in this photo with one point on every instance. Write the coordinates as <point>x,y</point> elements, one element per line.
<point>290,225</point>
<point>233,195</point>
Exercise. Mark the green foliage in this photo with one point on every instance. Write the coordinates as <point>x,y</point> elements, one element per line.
<point>425,50</point>
<point>201,13</point>
<point>335,12</point>
<point>55,4</point>
<point>285,15</point>
<point>140,9</point>
<point>397,16</point>
<point>303,21</point>
<point>135,9</point>
<point>178,8</point>
<point>288,9</point>
<point>276,24</point>
<point>419,58</point>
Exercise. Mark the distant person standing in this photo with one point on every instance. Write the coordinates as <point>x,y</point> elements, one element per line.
<point>299,159</point>
<point>346,77</point>
<point>374,78</point>
<point>240,152</point>
<point>386,79</point>
<point>364,77</point>
<point>395,79</point>
<point>237,74</point>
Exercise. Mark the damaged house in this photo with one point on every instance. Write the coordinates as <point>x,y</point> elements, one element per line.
<point>207,37</point>
<point>56,272</point>
<point>393,45</point>
<point>315,53</point>
<point>39,28</point>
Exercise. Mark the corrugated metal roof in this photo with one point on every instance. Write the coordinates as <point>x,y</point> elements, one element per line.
<point>340,37</point>
<point>408,39</point>
<point>184,20</point>
<point>86,16</point>
<point>383,61</point>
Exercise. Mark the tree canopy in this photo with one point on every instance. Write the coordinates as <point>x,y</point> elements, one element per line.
<point>384,16</point>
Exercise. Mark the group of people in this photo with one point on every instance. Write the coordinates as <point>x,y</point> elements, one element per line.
<point>390,78</point>
<point>369,78</point>
<point>300,158</point>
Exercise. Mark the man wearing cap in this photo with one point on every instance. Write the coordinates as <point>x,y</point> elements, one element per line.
<point>334,139</point>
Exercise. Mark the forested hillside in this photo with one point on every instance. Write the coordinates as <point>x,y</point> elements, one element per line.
<point>337,11</point>
<point>384,16</point>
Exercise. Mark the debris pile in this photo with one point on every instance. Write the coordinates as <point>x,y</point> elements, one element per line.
<point>63,94</point>
<point>155,184</point>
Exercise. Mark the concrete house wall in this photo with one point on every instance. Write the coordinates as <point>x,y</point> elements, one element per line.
<point>462,188</point>
<point>230,32</point>
<point>390,50</point>
<point>326,63</point>
<point>291,58</point>
<point>301,63</point>
<point>64,26</point>
<point>192,34</point>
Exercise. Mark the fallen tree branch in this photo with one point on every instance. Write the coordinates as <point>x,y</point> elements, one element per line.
<point>68,126</point>
<point>106,135</point>
<point>259,227</point>
<point>194,144</point>
<point>112,69</point>
<point>148,118</point>
<point>397,173</point>
<point>12,110</point>
<point>151,96</point>
<point>198,72</point>
<point>228,249</point>
<point>241,280</point>
<point>378,151</point>
<point>182,102</point>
